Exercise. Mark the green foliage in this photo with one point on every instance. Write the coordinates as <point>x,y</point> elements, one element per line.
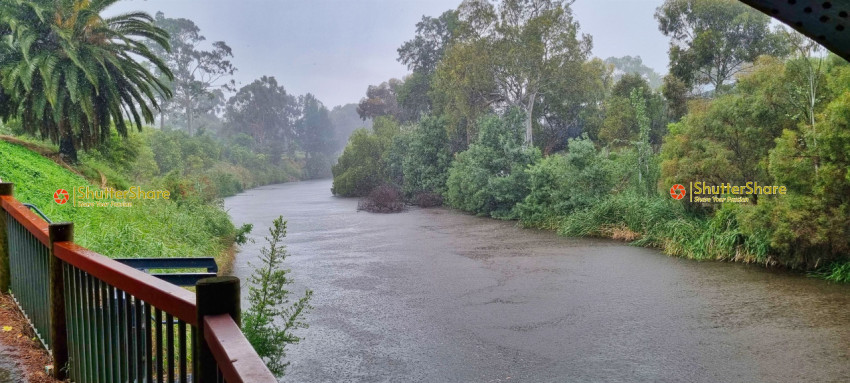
<point>626,211</point>
<point>728,139</point>
<point>712,40</point>
<point>70,73</point>
<point>358,170</point>
<point>361,166</point>
<point>427,158</point>
<point>489,178</point>
<point>561,184</point>
<point>269,304</point>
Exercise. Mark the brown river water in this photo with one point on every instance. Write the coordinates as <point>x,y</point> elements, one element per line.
<point>435,295</point>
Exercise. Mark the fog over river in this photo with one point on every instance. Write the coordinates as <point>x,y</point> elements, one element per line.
<point>434,295</point>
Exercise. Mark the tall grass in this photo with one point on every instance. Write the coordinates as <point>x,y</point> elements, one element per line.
<point>665,224</point>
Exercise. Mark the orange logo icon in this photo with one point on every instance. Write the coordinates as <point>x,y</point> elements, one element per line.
<point>677,191</point>
<point>61,196</point>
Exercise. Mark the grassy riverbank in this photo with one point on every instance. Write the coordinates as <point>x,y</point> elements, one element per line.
<point>150,228</point>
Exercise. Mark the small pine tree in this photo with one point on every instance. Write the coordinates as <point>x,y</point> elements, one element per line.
<point>272,318</point>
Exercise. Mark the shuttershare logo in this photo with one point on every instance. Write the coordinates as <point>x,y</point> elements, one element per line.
<point>703,192</point>
<point>60,196</point>
<point>677,191</point>
<point>86,197</point>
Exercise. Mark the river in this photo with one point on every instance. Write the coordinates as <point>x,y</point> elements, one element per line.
<point>434,295</point>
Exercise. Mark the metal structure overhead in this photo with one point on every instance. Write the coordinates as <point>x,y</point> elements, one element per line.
<point>827,22</point>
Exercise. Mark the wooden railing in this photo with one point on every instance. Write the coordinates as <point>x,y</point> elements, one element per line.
<point>104,321</point>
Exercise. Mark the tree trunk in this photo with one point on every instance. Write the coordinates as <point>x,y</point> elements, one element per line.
<point>529,110</point>
<point>189,121</point>
<point>67,147</point>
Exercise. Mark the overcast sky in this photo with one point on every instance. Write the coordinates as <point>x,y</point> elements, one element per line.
<point>336,48</point>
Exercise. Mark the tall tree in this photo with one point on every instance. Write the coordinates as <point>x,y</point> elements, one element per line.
<point>381,100</point>
<point>421,55</point>
<point>199,75</point>
<point>426,49</point>
<point>70,73</point>
<point>463,89</point>
<point>712,40</point>
<point>628,64</point>
<point>315,129</point>
<point>345,120</point>
<point>263,110</point>
<point>534,43</point>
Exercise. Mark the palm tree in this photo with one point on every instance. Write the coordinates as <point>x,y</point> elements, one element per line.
<point>70,74</point>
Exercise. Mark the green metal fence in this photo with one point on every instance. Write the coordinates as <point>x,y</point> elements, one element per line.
<point>116,337</point>
<point>29,276</point>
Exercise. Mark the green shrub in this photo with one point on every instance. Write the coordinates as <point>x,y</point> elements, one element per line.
<point>361,166</point>
<point>560,184</point>
<point>489,178</point>
<point>271,318</point>
<point>427,158</point>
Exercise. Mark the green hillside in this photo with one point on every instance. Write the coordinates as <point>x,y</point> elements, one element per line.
<point>150,228</point>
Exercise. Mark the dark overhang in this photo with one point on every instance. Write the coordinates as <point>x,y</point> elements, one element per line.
<point>827,22</point>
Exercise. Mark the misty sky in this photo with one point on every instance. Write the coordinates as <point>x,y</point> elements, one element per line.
<point>336,48</point>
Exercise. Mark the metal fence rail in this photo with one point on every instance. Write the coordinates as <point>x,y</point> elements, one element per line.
<point>29,276</point>
<point>105,321</point>
<point>126,325</point>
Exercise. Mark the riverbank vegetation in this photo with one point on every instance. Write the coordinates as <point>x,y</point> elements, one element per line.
<point>181,229</point>
<point>506,114</point>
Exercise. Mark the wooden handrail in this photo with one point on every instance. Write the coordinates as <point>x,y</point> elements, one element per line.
<point>29,220</point>
<point>236,359</point>
<point>162,295</point>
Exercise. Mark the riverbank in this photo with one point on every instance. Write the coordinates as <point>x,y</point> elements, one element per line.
<point>149,228</point>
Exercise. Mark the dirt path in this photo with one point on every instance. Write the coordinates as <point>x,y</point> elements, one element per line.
<point>22,358</point>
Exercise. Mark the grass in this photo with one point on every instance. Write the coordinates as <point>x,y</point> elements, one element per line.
<point>150,228</point>
<point>662,223</point>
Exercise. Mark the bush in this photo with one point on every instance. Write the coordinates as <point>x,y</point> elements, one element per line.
<point>361,166</point>
<point>383,199</point>
<point>427,158</point>
<point>489,178</point>
<point>561,184</point>
<point>271,318</point>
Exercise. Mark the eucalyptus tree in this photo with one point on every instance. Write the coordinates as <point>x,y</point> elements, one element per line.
<point>263,110</point>
<point>421,55</point>
<point>199,76</point>
<point>382,100</point>
<point>713,40</point>
<point>315,128</point>
<point>534,44</point>
<point>69,73</point>
<point>634,64</point>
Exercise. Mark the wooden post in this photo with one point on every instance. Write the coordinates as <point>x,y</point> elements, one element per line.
<point>213,296</point>
<point>58,232</point>
<point>6,188</point>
